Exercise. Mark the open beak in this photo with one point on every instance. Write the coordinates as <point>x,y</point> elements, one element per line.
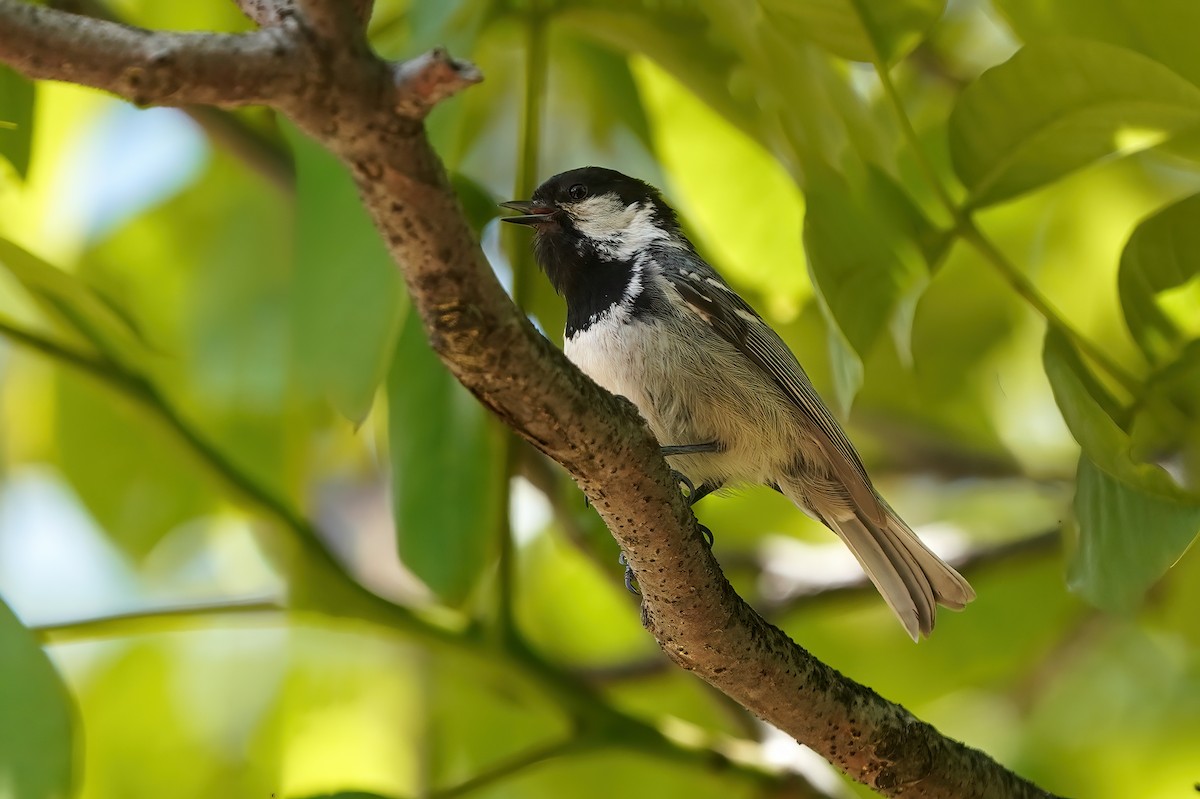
<point>531,214</point>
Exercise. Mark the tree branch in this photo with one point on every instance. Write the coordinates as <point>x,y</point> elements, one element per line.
<point>150,67</point>
<point>353,104</point>
<point>265,13</point>
<point>261,153</point>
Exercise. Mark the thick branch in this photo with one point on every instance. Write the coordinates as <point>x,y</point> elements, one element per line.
<point>351,102</point>
<point>149,67</point>
<point>338,21</point>
<point>265,13</point>
<point>428,79</point>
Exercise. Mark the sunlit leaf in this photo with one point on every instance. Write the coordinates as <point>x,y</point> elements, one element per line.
<point>37,746</point>
<point>347,293</point>
<point>1134,520</point>
<point>1162,254</point>
<point>1014,129</point>
<point>1160,29</point>
<point>859,30</point>
<point>447,474</point>
<point>76,306</point>
<point>171,705</point>
<point>16,119</point>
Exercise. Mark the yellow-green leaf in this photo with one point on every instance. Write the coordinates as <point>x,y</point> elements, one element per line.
<point>1058,105</point>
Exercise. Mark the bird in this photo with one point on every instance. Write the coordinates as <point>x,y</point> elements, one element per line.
<point>730,405</point>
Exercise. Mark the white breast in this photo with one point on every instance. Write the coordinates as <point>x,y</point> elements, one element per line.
<point>693,388</point>
<point>605,353</point>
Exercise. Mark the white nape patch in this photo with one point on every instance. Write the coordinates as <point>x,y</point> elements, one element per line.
<point>618,231</point>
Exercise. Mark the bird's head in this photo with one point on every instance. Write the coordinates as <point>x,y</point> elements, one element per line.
<point>591,215</point>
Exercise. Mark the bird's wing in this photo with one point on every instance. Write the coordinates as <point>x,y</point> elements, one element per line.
<point>703,290</point>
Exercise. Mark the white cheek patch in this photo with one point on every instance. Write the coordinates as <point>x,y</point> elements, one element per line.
<point>617,230</point>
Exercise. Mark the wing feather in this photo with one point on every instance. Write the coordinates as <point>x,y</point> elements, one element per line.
<point>734,320</point>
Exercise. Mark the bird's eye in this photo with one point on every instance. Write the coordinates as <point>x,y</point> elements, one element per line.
<point>578,191</point>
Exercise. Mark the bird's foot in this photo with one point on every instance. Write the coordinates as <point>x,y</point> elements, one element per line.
<point>630,581</point>
<point>694,494</point>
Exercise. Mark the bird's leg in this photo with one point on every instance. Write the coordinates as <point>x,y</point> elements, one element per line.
<point>691,449</point>
<point>694,495</point>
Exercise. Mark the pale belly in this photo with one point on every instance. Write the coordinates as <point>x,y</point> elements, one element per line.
<point>694,392</point>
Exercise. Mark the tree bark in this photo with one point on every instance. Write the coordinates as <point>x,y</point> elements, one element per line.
<point>310,60</point>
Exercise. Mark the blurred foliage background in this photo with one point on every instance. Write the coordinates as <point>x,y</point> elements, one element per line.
<point>977,223</point>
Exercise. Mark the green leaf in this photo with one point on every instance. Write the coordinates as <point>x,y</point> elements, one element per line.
<point>1162,29</point>
<point>1015,129</point>
<point>1128,538</point>
<point>37,744</point>
<point>1166,422</point>
<point>77,307</point>
<point>478,204</point>
<point>867,272</point>
<point>447,470</point>
<point>1163,253</point>
<point>1134,520</point>
<point>682,40</point>
<point>347,293</point>
<point>16,119</point>
<point>859,30</point>
<point>131,475</point>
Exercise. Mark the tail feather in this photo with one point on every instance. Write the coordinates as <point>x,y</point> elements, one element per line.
<point>909,576</point>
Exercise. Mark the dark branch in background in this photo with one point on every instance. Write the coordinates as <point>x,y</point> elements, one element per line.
<point>974,561</point>
<point>344,96</point>
<point>265,155</point>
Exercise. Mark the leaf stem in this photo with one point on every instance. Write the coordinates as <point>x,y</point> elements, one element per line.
<point>531,139</point>
<point>914,141</point>
<point>227,473</point>
<point>512,766</point>
<point>133,622</point>
<point>965,228</point>
<point>1024,287</point>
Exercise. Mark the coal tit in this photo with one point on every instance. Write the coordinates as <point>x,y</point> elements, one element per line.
<point>648,319</point>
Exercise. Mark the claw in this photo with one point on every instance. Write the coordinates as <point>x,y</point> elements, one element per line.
<point>704,531</point>
<point>631,582</point>
<point>683,480</point>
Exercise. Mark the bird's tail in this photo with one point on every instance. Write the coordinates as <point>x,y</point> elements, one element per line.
<point>912,580</point>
